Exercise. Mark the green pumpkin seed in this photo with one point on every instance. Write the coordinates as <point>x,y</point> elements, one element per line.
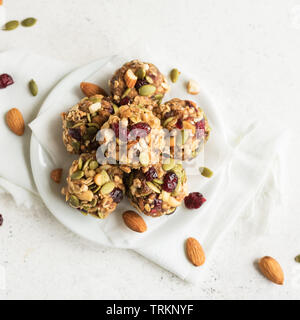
<point>76,125</point>
<point>126,93</point>
<point>93,165</point>
<point>107,188</point>
<point>69,124</point>
<point>178,170</point>
<point>185,136</point>
<point>153,187</point>
<point>141,73</point>
<point>169,165</point>
<point>104,177</point>
<point>158,181</point>
<point>147,90</point>
<point>88,115</point>
<point>76,146</point>
<point>94,202</point>
<point>11,25</point>
<point>77,175</point>
<point>29,22</point>
<point>168,121</point>
<point>92,124</point>
<point>206,172</point>
<point>144,159</point>
<point>149,79</point>
<point>74,201</point>
<point>116,108</point>
<point>165,196</point>
<point>80,163</point>
<point>95,99</point>
<point>297,259</point>
<point>97,189</point>
<point>87,163</point>
<point>174,75</point>
<point>33,88</point>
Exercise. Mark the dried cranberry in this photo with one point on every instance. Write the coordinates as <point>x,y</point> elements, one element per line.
<point>121,132</point>
<point>125,101</point>
<point>151,174</point>
<point>179,124</point>
<point>139,130</point>
<point>1,220</point>
<point>200,127</point>
<point>5,80</point>
<point>157,205</point>
<point>168,114</point>
<point>75,133</point>
<point>194,200</point>
<point>117,195</point>
<point>170,182</point>
<point>140,83</point>
<point>189,104</point>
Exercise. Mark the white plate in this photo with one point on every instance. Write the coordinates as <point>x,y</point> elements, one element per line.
<point>66,94</point>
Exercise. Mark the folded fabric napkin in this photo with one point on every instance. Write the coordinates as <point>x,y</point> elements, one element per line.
<point>248,172</point>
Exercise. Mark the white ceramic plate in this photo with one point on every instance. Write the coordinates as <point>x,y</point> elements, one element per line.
<point>112,232</point>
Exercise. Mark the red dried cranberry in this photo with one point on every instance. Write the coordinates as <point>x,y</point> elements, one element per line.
<point>125,101</point>
<point>170,182</point>
<point>157,205</point>
<point>75,133</point>
<point>179,124</point>
<point>200,127</point>
<point>194,200</point>
<point>140,83</point>
<point>151,174</point>
<point>139,130</point>
<point>5,80</point>
<point>117,195</point>
<point>120,131</point>
<point>168,114</point>
<point>1,220</point>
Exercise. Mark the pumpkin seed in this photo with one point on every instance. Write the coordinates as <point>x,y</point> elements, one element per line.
<point>174,75</point>
<point>97,189</point>
<point>76,125</point>
<point>69,124</point>
<point>94,202</point>
<point>169,165</point>
<point>178,170</point>
<point>92,124</point>
<point>144,159</point>
<point>87,163</point>
<point>297,259</point>
<point>77,175</point>
<point>165,196</point>
<point>141,73</point>
<point>29,22</point>
<point>33,88</point>
<point>88,115</point>
<point>76,146</point>
<point>153,187</point>
<point>93,165</point>
<point>83,212</point>
<point>168,121</point>
<point>126,93</point>
<point>11,25</point>
<point>74,201</point>
<point>158,181</point>
<point>80,163</point>
<point>185,136</point>
<point>206,172</point>
<point>147,90</point>
<point>116,108</point>
<point>149,79</point>
<point>107,188</point>
<point>101,178</point>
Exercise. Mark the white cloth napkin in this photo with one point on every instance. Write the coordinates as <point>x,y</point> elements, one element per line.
<point>250,173</point>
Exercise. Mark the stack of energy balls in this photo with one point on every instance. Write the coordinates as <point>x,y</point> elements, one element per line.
<point>131,142</point>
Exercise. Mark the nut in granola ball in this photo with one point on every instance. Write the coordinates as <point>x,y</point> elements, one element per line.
<point>187,125</point>
<point>92,188</point>
<point>82,122</point>
<point>138,83</point>
<point>157,190</point>
<point>133,138</point>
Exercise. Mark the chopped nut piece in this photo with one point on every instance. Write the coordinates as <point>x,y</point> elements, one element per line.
<point>193,87</point>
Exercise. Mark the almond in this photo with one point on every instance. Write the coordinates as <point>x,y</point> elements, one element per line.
<point>195,252</point>
<point>271,269</point>
<point>134,221</point>
<point>193,87</point>
<point>56,175</point>
<point>130,78</point>
<point>15,121</point>
<point>91,89</point>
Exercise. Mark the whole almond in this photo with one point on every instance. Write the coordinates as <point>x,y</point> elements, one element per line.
<point>195,252</point>
<point>134,221</point>
<point>271,269</point>
<point>15,121</point>
<point>56,175</point>
<point>91,89</point>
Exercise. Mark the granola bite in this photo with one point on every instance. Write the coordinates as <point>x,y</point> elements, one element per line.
<point>136,78</point>
<point>92,188</point>
<point>82,122</point>
<point>188,127</point>
<point>133,138</point>
<point>157,190</point>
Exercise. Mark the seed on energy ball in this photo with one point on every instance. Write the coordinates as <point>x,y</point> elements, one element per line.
<point>5,80</point>
<point>194,200</point>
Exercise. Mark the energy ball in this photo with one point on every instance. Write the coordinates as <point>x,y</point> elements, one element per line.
<point>187,125</point>
<point>133,138</point>
<point>92,188</point>
<point>82,122</point>
<point>157,190</point>
<point>138,79</point>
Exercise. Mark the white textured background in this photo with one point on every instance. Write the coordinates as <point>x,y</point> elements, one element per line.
<point>246,53</point>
